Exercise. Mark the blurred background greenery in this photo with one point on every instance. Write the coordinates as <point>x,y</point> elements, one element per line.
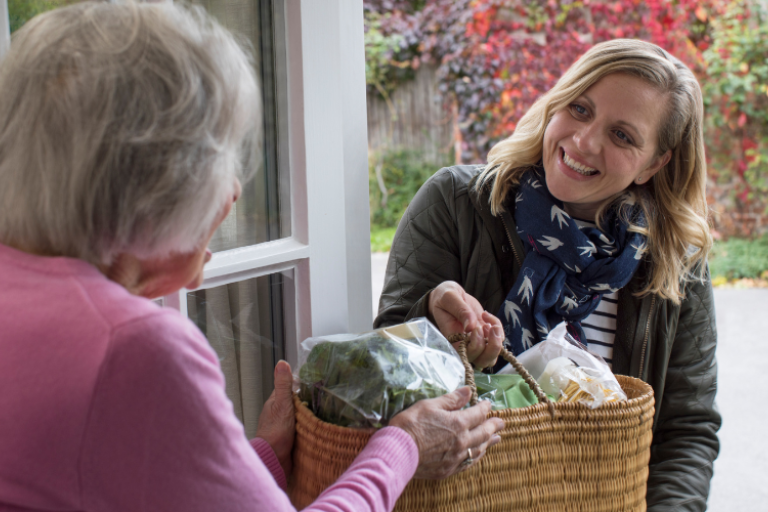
<point>394,177</point>
<point>739,261</point>
<point>20,11</point>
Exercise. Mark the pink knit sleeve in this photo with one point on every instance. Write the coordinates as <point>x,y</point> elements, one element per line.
<point>376,478</point>
<point>162,435</point>
<point>269,459</point>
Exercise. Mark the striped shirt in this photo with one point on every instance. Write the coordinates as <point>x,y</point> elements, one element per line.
<point>600,326</point>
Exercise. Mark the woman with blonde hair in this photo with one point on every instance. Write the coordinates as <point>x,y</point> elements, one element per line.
<point>122,130</point>
<point>591,215</point>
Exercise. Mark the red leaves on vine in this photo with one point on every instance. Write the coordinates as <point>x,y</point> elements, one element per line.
<point>495,58</point>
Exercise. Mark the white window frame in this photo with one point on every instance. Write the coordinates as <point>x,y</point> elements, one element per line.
<point>328,251</point>
<point>5,28</point>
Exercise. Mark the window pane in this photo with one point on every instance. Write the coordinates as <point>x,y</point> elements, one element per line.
<point>245,324</point>
<point>261,214</point>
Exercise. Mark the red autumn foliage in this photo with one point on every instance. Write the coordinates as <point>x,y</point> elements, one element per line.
<point>496,57</point>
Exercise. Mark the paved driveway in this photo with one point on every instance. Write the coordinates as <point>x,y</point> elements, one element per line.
<point>741,471</point>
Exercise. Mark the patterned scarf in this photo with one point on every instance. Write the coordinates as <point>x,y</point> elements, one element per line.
<point>567,269</point>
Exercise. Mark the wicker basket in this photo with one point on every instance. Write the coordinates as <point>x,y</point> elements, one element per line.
<point>552,457</point>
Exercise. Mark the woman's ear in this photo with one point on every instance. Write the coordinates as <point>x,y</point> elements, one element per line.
<point>656,165</point>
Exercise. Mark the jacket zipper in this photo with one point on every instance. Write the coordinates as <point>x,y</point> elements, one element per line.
<point>645,338</point>
<point>511,245</point>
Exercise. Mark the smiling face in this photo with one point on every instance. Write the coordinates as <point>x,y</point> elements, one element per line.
<point>603,141</point>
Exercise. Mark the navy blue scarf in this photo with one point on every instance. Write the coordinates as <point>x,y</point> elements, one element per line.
<point>567,269</point>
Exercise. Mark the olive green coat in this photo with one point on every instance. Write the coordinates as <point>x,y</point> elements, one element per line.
<point>449,233</point>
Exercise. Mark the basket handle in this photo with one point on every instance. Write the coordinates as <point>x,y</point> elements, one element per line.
<point>462,339</point>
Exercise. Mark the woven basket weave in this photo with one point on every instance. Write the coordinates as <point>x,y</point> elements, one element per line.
<point>552,457</point>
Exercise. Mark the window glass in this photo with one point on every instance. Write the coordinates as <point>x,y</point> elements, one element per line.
<point>260,215</point>
<point>244,324</point>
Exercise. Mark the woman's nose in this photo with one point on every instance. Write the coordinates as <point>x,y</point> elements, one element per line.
<point>587,139</point>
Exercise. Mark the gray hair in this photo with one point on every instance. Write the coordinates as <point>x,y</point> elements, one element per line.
<point>123,127</point>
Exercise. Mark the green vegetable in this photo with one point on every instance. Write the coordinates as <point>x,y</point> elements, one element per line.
<point>364,382</point>
<point>504,391</point>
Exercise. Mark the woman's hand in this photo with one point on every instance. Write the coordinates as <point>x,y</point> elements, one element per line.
<point>445,434</point>
<point>277,422</point>
<point>455,311</point>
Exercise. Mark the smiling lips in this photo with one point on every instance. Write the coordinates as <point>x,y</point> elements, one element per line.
<point>579,168</point>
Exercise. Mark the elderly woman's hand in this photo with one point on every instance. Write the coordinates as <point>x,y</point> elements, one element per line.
<point>277,422</point>
<point>454,311</point>
<point>445,434</point>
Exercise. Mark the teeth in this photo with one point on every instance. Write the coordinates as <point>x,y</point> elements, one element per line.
<point>581,169</point>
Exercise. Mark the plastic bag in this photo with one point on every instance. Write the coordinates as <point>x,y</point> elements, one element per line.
<point>364,380</point>
<point>565,369</point>
<point>504,391</point>
<point>589,386</point>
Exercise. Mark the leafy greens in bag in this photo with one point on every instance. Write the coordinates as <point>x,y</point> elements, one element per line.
<point>364,380</point>
<point>505,391</point>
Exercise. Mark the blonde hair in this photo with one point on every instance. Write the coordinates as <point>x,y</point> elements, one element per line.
<point>123,127</point>
<point>674,200</point>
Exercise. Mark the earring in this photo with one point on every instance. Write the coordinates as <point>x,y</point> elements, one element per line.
<point>639,180</point>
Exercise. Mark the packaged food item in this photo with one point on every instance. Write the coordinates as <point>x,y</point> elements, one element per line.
<point>565,369</point>
<point>363,380</point>
<point>572,383</point>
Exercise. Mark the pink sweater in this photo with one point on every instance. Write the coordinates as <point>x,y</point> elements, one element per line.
<point>111,403</point>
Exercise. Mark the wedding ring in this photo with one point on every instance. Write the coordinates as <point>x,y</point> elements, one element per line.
<point>469,460</point>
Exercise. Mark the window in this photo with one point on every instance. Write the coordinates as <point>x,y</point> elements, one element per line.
<point>293,258</point>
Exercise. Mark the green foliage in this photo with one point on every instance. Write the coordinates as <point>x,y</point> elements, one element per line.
<point>739,258</point>
<point>21,11</point>
<point>394,178</point>
<point>736,97</point>
<point>381,239</point>
<point>380,49</point>
<point>364,382</point>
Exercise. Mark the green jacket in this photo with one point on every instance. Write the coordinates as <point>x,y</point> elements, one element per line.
<point>449,233</point>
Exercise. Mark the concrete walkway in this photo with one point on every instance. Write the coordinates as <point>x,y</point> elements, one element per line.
<point>741,471</point>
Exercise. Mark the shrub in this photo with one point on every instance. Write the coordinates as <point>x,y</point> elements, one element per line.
<point>739,258</point>
<point>394,178</point>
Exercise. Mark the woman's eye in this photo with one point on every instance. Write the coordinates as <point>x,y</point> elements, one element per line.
<point>578,109</point>
<point>623,136</point>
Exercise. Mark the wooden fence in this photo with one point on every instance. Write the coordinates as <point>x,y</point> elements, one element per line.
<point>414,118</point>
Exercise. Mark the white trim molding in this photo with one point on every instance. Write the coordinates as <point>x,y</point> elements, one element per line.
<point>332,128</point>
<point>5,28</point>
<point>228,265</point>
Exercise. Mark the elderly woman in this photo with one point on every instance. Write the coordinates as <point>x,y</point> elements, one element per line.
<point>121,133</point>
<point>591,213</point>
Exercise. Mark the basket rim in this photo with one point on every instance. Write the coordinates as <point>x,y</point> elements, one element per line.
<point>644,401</point>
